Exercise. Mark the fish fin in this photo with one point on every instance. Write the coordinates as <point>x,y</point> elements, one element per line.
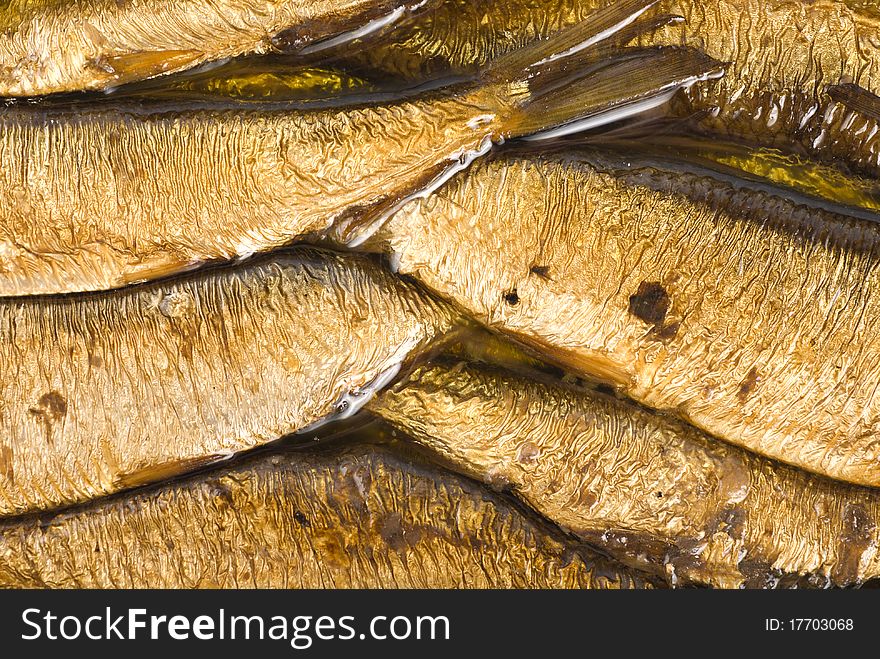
<point>599,26</point>
<point>569,98</point>
<point>647,25</point>
<point>856,98</point>
<point>146,64</point>
<point>311,38</point>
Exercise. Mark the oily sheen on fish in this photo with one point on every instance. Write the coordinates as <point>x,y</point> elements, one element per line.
<point>72,45</point>
<point>355,518</point>
<point>104,392</point>
<point>93,198</point>
<point>648,489</point>
<point>800,74</point>
<point>751,316</point>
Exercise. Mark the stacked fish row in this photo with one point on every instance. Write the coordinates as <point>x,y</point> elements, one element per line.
<point>577,294</point>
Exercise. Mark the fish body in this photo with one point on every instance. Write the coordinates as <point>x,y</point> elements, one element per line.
<point>786,61</point>
<point>98,198</point>
<point>93,198</point>
<point>749,315</point>
<point>784,58</point>
<point>104,392</point>
<point>651,490</point>
<point>54,46</point>
<point>356,518</point>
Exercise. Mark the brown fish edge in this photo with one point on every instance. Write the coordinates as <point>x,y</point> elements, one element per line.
<point>649,490</point>
<point>342,517</point>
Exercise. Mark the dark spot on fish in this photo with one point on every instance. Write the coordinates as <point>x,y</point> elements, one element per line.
<point>606,389</point>
<point>52,405</point>
<point>301,519</point>
<point>391,531</point>
<point>512,298</point>
<point>667,331</point>
<point>332,551</point>
<point>587,500</point>
<point>650,303</point>
<point>6,471</point>
<point>96,361</point>
<point>855,538</point>
<point>748,385</point>
<point>222,492</point>
<point>659,495</point>
<point>542,271</point>
<point>169,543</point>
<point>50,408</point>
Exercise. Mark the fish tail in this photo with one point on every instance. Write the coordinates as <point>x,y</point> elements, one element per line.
<point>583,77</point>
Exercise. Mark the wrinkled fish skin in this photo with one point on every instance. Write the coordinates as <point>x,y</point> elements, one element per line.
<point>781,55</point>
<point>71,45</point>
<point>98,198</point>
<point>103,392</point>
<point>359,518</point>
<point>652,490</point>
<point>459,36</point>
<point>756,319</point>
<point>784,55</point>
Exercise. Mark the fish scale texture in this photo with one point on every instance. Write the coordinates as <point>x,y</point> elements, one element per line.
<point>361,518</point>
<point>653,491</point>
<point>753,318</point>
<point>110,391</point>
<point>99,199</point>
<point>69,45</point>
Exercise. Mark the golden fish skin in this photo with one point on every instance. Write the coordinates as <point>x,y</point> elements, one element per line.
<point>781,56</point>
<point>795,174</point>
<point>358,518</point>
<point>459,36</point>
<point>95,199</point>
<point>103,392</point>
<point>755,318</point>
<point>651,490</point>
<point>53,46</point>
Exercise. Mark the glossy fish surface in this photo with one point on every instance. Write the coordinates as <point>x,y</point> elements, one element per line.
<point>800,74</point>
<point>104,392</point>
<point>73,45</point>
<point>97,197</point>
<point>350,518</point>
<point>646,488</point>
<point>751,316</point>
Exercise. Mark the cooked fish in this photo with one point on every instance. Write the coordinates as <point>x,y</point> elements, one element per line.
<point>654,491</point>
<point>784,57</point>
<point>71,45</point>
<point>358,518</point>
<point>459,36</point>
<point>96,198</point>
<point>753,316</point>
<point>107,391</point>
